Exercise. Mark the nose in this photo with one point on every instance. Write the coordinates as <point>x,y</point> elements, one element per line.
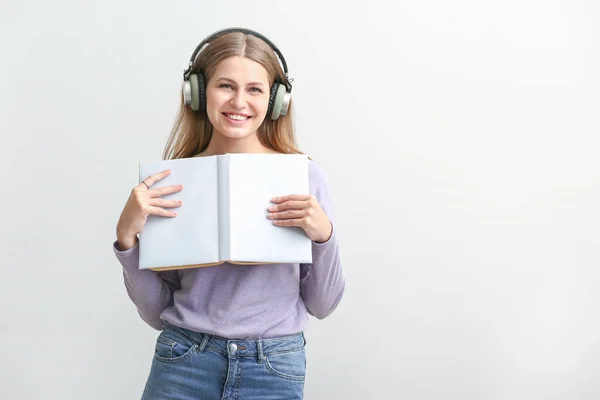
<point>238,99</point>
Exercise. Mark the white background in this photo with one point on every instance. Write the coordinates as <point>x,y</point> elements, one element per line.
<point>462,144</point>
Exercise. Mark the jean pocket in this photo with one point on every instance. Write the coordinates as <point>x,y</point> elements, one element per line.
<point>171,347</point>
<point>289,365</point>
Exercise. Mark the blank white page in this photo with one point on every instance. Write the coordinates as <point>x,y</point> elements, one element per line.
<point>192,236</point>
<point>254,179</point>
<point>223,189</point>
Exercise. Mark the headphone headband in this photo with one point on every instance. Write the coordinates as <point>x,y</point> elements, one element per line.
<point>211,37</point>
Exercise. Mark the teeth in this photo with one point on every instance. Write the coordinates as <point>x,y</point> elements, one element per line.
<point>238,117</point>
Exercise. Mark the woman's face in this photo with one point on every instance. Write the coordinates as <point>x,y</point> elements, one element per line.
<point>237,97</point>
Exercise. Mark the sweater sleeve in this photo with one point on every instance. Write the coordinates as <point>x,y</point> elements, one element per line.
<point>150,291</point>
<point>322,282</point>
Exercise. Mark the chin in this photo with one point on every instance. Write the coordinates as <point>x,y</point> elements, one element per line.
<point>228,130</point>
<point>236,133</point>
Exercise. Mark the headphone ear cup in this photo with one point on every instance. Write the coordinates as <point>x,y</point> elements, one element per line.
<point>272,98</point>
<point>278,102</point>
<point>194,94</point>
<point>201,92</point>
<point>197,92</point>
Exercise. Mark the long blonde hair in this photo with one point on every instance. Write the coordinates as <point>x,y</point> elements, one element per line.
<point>192,130</point>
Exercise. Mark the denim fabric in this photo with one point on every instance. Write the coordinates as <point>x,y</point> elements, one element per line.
<point>191,365</point>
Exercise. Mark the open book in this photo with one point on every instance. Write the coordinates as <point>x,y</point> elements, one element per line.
<point>223,216</point>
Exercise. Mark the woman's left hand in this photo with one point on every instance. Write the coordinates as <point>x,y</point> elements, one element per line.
<point>301,210</point>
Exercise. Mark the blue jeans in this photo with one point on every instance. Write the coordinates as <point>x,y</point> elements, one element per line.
<point>191,365</point>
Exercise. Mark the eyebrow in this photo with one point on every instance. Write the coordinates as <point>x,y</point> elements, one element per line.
<point>232,81</point>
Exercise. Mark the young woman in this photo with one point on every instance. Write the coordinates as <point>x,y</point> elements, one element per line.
<point>230,331</point>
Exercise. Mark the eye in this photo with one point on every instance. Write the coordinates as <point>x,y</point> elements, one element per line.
<point>256,90</point>
<point>225,85</point>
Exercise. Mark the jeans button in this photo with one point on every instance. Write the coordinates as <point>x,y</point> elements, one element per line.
<point>233,347</point>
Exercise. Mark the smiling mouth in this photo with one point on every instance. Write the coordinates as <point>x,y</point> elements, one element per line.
<point>237,117</point>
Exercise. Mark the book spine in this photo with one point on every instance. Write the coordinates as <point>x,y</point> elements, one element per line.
<point>224,211</point>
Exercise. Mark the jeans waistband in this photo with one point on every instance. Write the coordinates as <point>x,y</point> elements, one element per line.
<point>250,348</point>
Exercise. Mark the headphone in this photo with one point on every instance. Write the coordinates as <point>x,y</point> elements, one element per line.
<point>194,89</point>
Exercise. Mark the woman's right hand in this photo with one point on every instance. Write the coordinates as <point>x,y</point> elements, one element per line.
<point>142,202</point>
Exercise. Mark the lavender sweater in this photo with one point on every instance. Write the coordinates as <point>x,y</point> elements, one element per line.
<point>242,302</point>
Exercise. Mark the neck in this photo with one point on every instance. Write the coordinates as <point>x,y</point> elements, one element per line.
<point>220,144</point>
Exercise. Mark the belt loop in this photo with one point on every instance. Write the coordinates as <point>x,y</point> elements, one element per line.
<point>205,339</point>
<point>259,352</point>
